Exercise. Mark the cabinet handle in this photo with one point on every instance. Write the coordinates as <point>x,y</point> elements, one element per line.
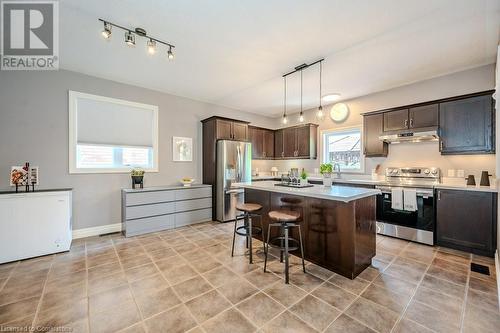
<point>264,154</point>
<point>406,123</point>
<point>441,145</point>
<point>411,122</point>
<point>439,195</point>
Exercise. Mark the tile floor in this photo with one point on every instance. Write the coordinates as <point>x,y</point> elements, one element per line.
<point>185,280</point>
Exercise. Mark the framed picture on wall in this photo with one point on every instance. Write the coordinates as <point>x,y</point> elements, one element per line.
<point>182,149</point>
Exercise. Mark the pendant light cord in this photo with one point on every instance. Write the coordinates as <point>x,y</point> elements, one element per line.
<point>320,81</point>
<point>284,94</point>
<point>301,92</point>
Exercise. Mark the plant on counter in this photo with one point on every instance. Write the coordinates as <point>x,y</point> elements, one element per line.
<point>326,168</point>
<point>137,172</point>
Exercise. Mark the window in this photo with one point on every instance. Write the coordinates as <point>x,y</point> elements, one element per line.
<point>343,147</point>
<point>111,135</point>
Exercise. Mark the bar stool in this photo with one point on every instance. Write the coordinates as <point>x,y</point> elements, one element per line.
<point>247,229</point>
<point>285,219</point>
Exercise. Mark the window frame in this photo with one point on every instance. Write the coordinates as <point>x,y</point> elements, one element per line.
<point>323,149</point>
<point>73,96</point>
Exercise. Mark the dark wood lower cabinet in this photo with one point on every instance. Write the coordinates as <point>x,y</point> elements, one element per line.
<point>467,220</point>
<point>338,236</point>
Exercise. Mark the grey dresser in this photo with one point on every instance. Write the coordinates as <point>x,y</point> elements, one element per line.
<point>160,208</point>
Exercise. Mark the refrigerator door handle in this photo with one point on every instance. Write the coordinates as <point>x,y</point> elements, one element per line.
<point>238,164</point>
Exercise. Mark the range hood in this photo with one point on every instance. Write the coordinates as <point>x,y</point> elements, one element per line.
<point>417,136</point>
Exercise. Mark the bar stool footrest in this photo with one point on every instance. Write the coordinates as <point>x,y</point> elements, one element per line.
<point>255,230</point>
<point>293,244</point>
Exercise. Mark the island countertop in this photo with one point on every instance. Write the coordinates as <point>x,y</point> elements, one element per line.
<point>335,192</point>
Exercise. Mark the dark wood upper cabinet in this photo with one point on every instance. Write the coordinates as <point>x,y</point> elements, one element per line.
<point>278,144</point>
<point>466,126</point>
<point>424,116</point>
<point>372,128</point>
<point>224,129</point>
<point>268,143</point>
<point>396,120</point>
<point>262,142</point>
<point>466,220</point>
<point>290,142</point>
<point>296,142</point>
<point>240,131</point>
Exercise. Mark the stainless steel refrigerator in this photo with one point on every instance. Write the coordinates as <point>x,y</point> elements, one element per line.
<point>234,165</point>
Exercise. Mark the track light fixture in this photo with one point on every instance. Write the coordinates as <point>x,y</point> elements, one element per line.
<point>300,69</point>
<point>106,32</point>
<point>130,35</point>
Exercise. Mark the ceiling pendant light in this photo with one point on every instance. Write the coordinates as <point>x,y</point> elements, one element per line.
<point>106,33</point>
<point>301,115</point>
<point>130,38</point>
<point>151,46</point>
<point>285,119</point>
<point>170,53</point>
<point>319,114</point>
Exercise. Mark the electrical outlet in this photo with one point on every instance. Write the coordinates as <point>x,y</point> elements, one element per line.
<point>451,172</point>
<point>460,173</point>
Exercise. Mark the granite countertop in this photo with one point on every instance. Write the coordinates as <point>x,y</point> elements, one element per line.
<point>477,188</point>
<point>336,193</point>
<point>37,190</point>
<point>163,188</point>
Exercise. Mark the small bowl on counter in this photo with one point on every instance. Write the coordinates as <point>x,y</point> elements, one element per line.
<point>187,181</point>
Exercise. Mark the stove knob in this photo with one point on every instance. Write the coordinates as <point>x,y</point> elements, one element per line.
<point>427,171</point>
<point>395,171</point>
<point>434,171</point>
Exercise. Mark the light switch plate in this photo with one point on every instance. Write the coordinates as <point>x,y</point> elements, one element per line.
<point>460,173</point>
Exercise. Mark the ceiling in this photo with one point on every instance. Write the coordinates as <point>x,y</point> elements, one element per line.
<point>233,53</point>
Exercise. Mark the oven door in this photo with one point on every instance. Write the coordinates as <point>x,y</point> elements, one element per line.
<point>422,218</point>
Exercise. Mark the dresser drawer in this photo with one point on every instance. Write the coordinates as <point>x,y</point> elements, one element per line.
<point>141,211</point>
<point>192,217</point>
<point>182,206</point>
<point>193,193</point>
<point>142,198</point>
<point>150,224</point>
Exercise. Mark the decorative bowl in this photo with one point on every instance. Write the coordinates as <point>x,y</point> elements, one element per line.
<point>187,181</point>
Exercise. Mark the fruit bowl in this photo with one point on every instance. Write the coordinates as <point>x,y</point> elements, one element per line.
<point>187,181</point>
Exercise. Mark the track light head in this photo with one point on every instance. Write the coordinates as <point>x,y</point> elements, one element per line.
<point>151,46</point>
<point>106,32</point>
<point>301,117</point>
<point>130,38</point>
<point>170,53</point>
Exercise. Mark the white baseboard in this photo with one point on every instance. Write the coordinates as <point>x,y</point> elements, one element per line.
<point>95,231</point>
<point>497,267</point>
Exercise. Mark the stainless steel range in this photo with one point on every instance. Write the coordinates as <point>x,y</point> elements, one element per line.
<point>416,224</point>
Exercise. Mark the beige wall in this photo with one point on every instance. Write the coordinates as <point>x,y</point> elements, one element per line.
<point>406,154</point>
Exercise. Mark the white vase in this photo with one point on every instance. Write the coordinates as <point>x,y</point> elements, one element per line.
<point>327,180</point>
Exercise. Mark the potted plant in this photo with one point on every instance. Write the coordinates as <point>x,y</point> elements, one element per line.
<point>303,177</point>
<point>326,170</point>
<point>137,177</point>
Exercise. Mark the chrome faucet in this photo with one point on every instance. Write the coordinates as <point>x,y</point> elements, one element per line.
<point>336,166</point>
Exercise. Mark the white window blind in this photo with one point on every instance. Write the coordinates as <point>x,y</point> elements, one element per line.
<point>111,123</point>
<point>111,135</point>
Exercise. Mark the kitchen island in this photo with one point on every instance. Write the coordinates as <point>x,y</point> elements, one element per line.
<point>338,222</point>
